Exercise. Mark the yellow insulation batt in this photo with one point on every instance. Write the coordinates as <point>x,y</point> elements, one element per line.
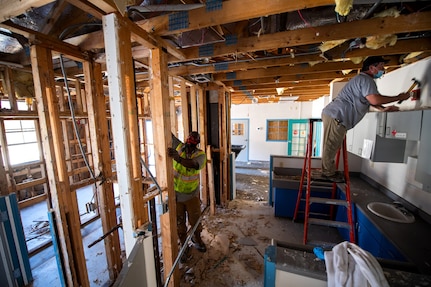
<point>343,7</point>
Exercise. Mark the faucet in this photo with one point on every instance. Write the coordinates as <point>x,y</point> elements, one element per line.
<point>398,205</point>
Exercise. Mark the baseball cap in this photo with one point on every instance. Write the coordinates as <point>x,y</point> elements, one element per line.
<point>373,60</point>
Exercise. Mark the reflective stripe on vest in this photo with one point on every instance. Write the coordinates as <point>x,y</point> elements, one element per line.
<point>186,180</point>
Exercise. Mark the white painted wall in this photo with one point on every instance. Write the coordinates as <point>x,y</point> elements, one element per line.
<point>394,176</point>
<point>399,177</point>
<point>260,149</point>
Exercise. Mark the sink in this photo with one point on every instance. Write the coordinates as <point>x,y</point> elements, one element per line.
<point>393,212</point>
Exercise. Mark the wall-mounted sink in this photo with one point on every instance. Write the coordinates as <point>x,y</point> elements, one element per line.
<point>394,212</point>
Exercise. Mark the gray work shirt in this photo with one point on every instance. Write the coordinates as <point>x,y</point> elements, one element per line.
<point>350,106</point>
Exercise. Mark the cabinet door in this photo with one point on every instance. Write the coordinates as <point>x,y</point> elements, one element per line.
<point>423,170</point>
<point>403,125</point>
<point>365,129</point>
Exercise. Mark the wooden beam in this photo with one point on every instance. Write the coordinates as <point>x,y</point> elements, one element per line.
<point>338,53</point>
<point>12,8</point>
<point>293,70</point>
<point>37,38</point>
<point>232,11</point>
<point>160,111</point>
<point>414,22</point>
<point>55,13</point>
<point>291,78</point>
<point>95,10</point>
<point>101,152</point>
<point>63,201</point>
<point>124,124</point>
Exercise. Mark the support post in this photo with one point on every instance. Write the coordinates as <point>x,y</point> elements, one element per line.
<point>124,126</point>
<point>64,201</point>
<point>101,152</point>
<point>160,110</point>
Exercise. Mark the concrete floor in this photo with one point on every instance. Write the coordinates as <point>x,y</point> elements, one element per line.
<point>236,238</point>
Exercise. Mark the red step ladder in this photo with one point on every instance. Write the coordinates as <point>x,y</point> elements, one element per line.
<point>311,175</point>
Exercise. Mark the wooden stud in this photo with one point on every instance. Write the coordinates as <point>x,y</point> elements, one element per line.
<point>124,126</point>
<point>67,217</point>
<point>99,137</point>
<point>4,189</point>
<point>10,88</point>
<point>185,109</point>
<point>202,128</point>
<point>223,147</point>
<point>5,152</point>
<point>160,110</point>
<point>173,109</point>
<point>193,103</point>
<point>210,180</point>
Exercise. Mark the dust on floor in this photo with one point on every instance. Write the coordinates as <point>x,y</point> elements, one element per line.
<point>236,238</point>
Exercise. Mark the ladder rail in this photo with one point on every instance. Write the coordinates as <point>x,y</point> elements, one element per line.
<point>332,202</point>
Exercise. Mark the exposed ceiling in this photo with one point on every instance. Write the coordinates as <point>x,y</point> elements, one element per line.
<point>251,47</point>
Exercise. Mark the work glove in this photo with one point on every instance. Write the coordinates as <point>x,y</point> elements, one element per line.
<point>173,154</point>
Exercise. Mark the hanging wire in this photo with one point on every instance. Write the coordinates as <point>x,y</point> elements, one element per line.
<point>75,126</point>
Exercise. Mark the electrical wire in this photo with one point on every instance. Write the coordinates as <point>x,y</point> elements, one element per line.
<point>75,126</point>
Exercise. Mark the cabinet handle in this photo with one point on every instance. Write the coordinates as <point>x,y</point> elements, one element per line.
<point>388,131</point>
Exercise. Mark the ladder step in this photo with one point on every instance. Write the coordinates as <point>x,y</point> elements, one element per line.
<point>332,223</point>
<point>340,202</point>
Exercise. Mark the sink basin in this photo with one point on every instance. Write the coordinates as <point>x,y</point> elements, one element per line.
<point>391,212</point>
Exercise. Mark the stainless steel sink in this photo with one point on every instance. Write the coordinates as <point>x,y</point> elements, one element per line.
<point>393,212</point>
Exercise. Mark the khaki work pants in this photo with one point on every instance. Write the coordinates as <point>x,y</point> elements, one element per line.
<point>333,136</point>
<point>191,210</point>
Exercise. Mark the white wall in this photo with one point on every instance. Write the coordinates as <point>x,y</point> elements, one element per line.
<point>258,114</point>
<point>394,176</point>
<point>399,177</point>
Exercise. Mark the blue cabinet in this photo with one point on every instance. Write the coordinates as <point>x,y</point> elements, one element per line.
<point>285,202</point>
<point>371,239</point>
<point>367,235</point>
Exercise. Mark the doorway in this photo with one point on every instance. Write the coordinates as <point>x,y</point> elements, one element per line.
<point>297,138</point>
<point>240,138</point>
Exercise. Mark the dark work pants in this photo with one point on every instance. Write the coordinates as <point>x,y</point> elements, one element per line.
<point>333,136</point>
<point>191,210</point>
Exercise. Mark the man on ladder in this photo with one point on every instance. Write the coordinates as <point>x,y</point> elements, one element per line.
<point>349,107</point>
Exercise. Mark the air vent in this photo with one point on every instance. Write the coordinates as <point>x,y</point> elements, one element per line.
<point>202,78</point>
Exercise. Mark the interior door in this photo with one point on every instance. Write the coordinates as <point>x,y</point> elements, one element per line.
<point>297,137</point>
<point>240,138</point>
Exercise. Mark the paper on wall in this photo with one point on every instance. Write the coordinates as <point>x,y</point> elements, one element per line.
<point>367,147</point>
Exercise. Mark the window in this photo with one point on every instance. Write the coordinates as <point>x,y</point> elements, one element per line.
<point>277,130</point>
<point>21,141</point>
<point>238,129</point>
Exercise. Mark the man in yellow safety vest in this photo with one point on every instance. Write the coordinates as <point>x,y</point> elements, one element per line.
<point>188,160</point>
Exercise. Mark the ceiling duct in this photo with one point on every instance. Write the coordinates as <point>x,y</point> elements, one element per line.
<point>202,78</point>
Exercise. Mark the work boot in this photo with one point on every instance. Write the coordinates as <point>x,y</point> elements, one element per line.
<point>336,177</point>
<point>199,244</point>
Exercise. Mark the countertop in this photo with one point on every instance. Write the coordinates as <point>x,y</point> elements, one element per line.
<point>411,239</point>
<point>299,259</point>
